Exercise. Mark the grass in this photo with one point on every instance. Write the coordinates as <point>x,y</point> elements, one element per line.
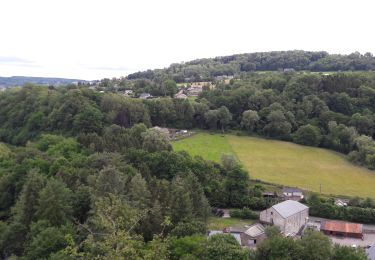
<point>209,146</point>
<point>286,163</point>
<point>218,223</point>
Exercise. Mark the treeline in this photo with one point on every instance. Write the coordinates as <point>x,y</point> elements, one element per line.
<point>332,111</point>
<point>325,208</point>
<point>208,69</point>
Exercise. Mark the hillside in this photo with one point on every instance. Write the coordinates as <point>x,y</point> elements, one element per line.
<point>286,163</point>
<point>20,81</point>
<point>208,69</point>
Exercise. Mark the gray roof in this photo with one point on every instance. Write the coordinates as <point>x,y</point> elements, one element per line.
<point>255,230</point>
<point>289,207</point>
<point>291,190</point>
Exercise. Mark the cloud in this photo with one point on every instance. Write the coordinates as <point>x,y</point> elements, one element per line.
<point>110,68</point>
<point>16,61</point>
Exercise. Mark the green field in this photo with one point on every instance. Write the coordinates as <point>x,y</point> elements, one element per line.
<point>218,223</point>
<point>286,163</point>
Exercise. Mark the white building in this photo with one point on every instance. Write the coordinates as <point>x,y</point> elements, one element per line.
<point>290,216</point>
<point>292,194</point>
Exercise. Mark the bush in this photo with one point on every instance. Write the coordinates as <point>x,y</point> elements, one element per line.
<point>244,213</point>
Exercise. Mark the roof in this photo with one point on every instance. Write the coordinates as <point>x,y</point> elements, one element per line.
<point>291,190</point>
<point>341,226</point>
<point>255,230</point>
<point>289,207</point>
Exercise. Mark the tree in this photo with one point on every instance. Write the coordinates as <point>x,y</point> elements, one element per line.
<point>308,135</point>
<point>138,194</point>
<point>154,140</point>
<point>27,204</point>
<point>316,246</point>
<point>345,252</point>
<point>224,117</point>
<point>55,203</point>
<point>229,161</point>
<point>211,118</point>
<point>236,186</point>
<point>249,120</point>
<point>278,247</point>
<point>277,125</point>
<point>225,246</point>
<point>188,247</point>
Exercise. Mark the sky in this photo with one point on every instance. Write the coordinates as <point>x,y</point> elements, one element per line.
<point>108,38</point>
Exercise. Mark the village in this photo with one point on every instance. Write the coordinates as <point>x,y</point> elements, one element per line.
<point>292,219</point>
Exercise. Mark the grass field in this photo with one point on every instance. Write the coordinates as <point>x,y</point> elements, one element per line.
<point>286,163</point>
<point>218,223</point>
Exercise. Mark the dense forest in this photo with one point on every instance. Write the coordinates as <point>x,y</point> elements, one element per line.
<point>208,69</point>
<point>84,176</point>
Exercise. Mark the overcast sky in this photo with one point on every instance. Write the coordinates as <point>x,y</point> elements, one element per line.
<point>108,38</point>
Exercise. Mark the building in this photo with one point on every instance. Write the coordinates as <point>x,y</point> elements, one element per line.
<point>290,216</point>
<point>342,229</point>
<point>253,235</point>
<point>180,96</point>
<point>341,202</point>
<point>145,96</point>
<point>292,194</point>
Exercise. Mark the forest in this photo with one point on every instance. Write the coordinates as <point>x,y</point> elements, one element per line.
<point>84,176</point>
<point>298,60</point>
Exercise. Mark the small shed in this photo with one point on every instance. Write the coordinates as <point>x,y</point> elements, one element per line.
<point>342,229</point>
<point>253,235</point>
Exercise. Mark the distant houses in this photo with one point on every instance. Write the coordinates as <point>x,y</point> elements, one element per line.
<point>292,194</point>
<point>290,216</point>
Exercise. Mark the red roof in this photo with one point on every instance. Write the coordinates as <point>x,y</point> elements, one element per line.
<point>340,226</point>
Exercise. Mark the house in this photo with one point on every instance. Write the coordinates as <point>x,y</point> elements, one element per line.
<point>292,194</point>
<point>342,229</point>
<point>162,130</point>
<point>253,235</point>
<point>341,202</point>
<point>180,96</point>
<point>145,96</point>
<point>371,252</point>
<point>290,216</point>
<point>128,92</point>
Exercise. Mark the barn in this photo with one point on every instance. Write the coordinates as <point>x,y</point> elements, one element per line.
<point>341,228</point>
<point>290,216</point>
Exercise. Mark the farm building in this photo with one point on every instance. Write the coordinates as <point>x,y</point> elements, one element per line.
<point>342,229</point>
<point>253,235</point>
<point>292,194</point>
<point>290,216</point>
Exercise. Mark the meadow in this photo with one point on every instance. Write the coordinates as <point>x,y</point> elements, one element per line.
<point>285,163</point>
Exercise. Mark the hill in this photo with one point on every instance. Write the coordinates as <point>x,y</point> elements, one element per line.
<point>21,80</point>
<point>208,69</point>
<point>286,163</point>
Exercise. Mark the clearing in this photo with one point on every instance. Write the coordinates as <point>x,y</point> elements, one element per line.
<point>286,163</point>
